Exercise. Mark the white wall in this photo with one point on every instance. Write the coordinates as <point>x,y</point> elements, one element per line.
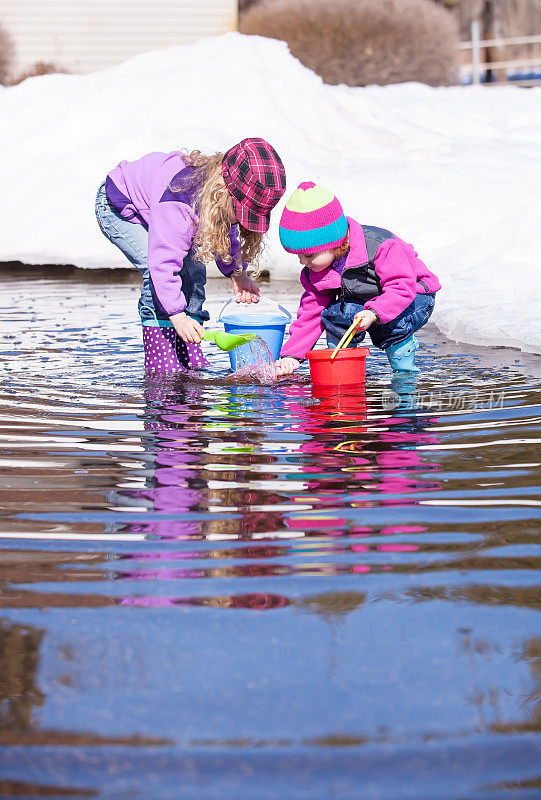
<point>86,35</point>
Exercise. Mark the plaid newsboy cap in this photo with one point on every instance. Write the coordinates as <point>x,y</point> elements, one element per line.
<point>256,179</point>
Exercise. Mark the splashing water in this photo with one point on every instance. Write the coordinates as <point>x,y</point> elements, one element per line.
<point>255,362</point>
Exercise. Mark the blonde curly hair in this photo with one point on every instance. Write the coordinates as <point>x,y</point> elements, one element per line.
<point>213,205</point>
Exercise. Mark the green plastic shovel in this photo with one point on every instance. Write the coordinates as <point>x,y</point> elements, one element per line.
<point>228,341</point>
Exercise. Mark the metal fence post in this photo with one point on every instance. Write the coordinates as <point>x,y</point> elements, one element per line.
<point>475,53</point>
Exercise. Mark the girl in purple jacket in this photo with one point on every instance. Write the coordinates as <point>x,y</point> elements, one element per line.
<point>352,271</point>
<point>172,213</point>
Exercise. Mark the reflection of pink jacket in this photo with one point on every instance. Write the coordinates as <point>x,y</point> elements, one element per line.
<point>399,271</point>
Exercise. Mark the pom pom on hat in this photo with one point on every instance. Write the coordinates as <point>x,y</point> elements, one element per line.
<point>312,221</point>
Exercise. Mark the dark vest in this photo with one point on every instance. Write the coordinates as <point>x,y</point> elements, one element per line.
<point>361,282</point>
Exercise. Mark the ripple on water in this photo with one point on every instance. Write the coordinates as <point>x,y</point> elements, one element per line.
<point>390,536</point>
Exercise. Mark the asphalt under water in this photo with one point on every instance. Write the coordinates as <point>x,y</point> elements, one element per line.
<point>213,589</point>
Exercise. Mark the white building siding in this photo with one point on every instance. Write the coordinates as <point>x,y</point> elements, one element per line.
<point>86,35</point>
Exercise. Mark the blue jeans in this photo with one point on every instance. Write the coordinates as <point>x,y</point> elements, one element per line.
<point>131,239</point>
<point>339,315</point>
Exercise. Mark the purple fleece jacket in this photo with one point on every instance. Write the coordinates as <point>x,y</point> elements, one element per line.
<point>401,272</point>
<point>139,190</point>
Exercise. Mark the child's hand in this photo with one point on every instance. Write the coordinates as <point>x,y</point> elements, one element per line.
<point>364,319</point>
<point>187,328</point>
<point>245,289</point>
<point>287,365</point>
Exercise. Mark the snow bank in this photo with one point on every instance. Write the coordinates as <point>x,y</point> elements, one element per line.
<point>453,170</point>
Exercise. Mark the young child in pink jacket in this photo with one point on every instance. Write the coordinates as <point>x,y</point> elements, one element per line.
<point>352,271</point>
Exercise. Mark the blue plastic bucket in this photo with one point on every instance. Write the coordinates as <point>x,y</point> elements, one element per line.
<point>270,326</point>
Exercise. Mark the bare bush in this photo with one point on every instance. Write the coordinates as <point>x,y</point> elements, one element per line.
<point>514,17</point>
<point>7,51</point>
<point>39,68</point>
<point>244,5</point>
<point>523,18</point>
<point>359,42</point>
<point>519,17</point>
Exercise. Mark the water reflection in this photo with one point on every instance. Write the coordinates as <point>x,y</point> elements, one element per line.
<point>19,661</point>
<point>220,587</point>
<point>21,699</point>
<point>208,481</point>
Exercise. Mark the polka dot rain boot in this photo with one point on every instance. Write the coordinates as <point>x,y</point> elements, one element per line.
<point>191,355</point>
<point>165,352</point>
<point>159,341</point>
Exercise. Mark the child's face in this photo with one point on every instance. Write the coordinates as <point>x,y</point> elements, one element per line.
<point>317,261</point>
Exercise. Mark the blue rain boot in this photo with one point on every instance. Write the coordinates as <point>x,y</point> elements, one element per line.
<point>402,355</point>
<point>404,386</point>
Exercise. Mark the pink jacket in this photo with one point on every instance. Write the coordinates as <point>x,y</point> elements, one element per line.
<point>401,275</point>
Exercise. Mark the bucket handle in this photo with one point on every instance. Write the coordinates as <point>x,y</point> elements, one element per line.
<point>153,316</point>
<point>153,321</point>
<point>284,311</point>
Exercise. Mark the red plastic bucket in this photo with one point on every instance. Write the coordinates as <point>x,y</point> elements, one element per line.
<point>347,368</point>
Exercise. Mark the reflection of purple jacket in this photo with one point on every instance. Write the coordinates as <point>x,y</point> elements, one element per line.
<point>379,270</point>
<point>140,191</point>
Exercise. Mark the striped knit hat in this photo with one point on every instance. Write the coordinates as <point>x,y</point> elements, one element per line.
<point>312,221</point>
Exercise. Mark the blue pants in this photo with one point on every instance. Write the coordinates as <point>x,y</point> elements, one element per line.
<point>132,240</point>
<point>339,315</point>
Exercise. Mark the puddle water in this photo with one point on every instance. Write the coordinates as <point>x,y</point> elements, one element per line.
<point>213,589</point>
